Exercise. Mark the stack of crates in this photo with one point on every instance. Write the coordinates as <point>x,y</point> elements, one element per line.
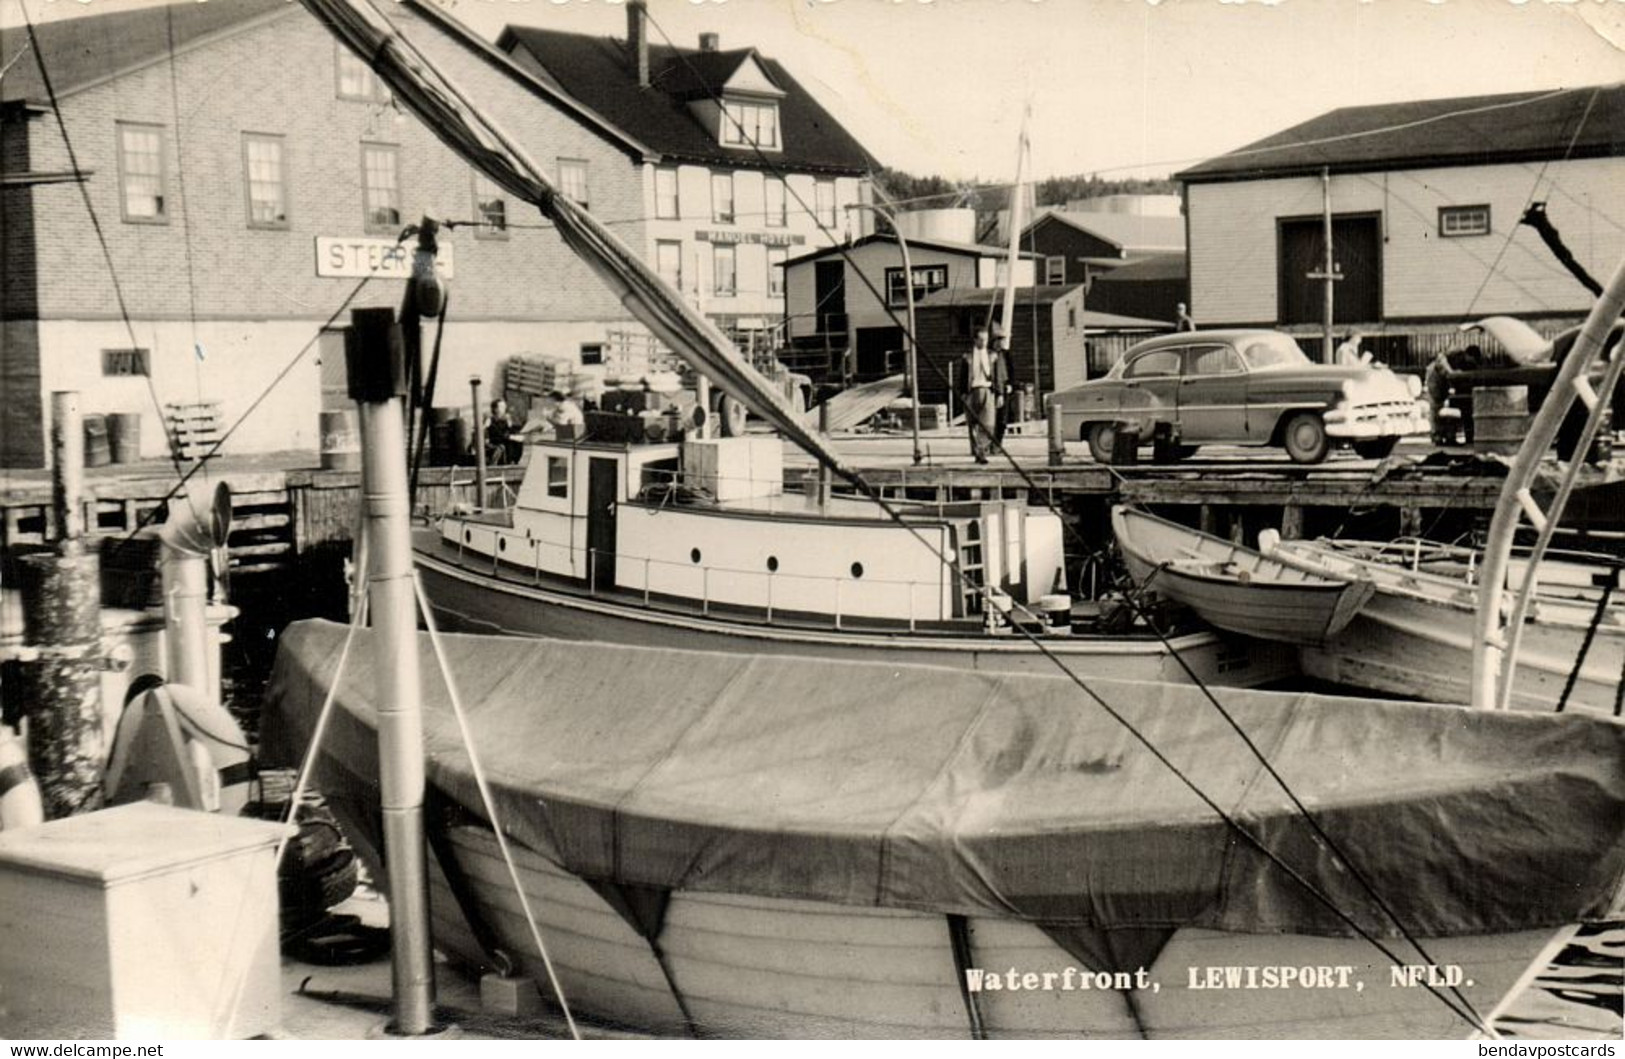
<point>194,427</point>
<point>537,376</point>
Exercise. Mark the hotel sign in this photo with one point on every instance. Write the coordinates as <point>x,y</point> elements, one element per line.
<point>340,257</point>
<point>709,235</point>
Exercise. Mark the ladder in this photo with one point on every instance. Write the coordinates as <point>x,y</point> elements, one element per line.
<point>1496,631</point>
<point>971,566</point>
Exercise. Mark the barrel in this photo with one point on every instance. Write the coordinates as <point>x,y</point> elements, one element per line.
<point>341,441</point>
<point>1056,611</point>
<point>124,436</point>
<point>1500,418</point>
<point>1126,445</point>
<point>97,452</point>
<point>440,440</point>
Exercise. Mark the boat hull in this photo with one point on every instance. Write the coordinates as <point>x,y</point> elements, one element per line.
<point>756,967</point>
<point>469,600</point>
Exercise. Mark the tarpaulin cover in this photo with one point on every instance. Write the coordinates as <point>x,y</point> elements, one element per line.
<point>1015,795</point>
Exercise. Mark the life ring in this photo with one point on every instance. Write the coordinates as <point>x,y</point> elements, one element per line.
<point>20,804</point>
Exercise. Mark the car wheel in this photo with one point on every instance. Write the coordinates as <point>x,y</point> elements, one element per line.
<point>1305,438</point>
<point>1375,449</point>
<point>1102,438</point>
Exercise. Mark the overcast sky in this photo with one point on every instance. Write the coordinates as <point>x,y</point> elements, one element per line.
<point>1120,87</point>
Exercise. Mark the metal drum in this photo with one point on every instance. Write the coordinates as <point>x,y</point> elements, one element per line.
<point>97,452</point>
<point>124,436</point>
<point>1500,418</point>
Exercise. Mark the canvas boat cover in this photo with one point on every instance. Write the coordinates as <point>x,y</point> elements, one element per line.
<point>1012,795</point>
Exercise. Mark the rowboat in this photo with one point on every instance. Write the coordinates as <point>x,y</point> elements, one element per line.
<point>724,845</point>
<point>698,545</point>
<point>1234,587</point>
<point>1414,636</point>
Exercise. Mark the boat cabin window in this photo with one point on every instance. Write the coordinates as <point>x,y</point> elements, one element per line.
<point>558,476</point>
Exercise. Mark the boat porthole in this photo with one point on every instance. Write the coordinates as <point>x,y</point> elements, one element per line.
<point>772,563</point>
<point>693,555</point>
<point>468,536</point>
<point>502,544</point>
<point>857,571</point>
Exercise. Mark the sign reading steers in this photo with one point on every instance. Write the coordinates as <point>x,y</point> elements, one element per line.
<point>340,256</point>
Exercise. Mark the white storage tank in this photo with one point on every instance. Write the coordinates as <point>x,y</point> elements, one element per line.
<point>944,226</point>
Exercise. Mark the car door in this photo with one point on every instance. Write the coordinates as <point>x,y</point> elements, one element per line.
<point>1213,395</point>
<point>1151,388</point>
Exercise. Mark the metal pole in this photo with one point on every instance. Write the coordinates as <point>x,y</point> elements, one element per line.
<point>913,349</point>
<point>479,445</point>
<point>377,383</point>
<point>62,616</point>
<point>1057,436</point>
<point>1330,265</point>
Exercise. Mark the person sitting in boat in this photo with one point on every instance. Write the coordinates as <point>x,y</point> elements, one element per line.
<point>566,417</point>
<point>980,370</point>
<point>501,446</point>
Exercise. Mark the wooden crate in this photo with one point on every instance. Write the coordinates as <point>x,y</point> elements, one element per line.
<point>195,428</point>
<point>143,921</point>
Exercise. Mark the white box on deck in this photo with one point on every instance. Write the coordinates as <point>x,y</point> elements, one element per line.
<point>142,921</point>
<point>735,468</point>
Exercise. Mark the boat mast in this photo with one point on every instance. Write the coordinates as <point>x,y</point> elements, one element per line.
<point>1018,198</point>
<point>1495,641</point>
<point>377,373</point>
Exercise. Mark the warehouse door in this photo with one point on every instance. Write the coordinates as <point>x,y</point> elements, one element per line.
<point>1357,253</point>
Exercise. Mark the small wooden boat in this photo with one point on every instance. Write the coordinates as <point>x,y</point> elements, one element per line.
<point>1414,636</point>
<point>727,845</point>
<point>1233,587</point>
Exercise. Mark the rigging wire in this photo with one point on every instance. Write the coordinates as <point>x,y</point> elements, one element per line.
<point>1471,1015</point>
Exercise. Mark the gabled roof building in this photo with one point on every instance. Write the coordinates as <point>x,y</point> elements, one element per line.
<point>1426,201</point>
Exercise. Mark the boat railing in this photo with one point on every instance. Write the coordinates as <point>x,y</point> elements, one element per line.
<point>778,597</point>
<point>499,494</point>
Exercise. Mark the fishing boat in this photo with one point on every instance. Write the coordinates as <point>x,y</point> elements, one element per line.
<point>1414,636</point>
<point>733,845</point>
<point>742,843</point>
<point>1234,587</point>
<point>696,544</point>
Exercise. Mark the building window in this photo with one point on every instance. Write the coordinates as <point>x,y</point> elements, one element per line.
<point>927,278</point>
<point>824,200</point>
<point>1463,220</point>
<point>266,180</point>
<point>776,216</point>
<point>776,257</point>
<point>118,363</point>
<point>750,124</point>
<point>558,476</point>
<point>573,180</point>
<point>1071,317</point>
<point>666,203</point>
<point>592,352</point>
<point>356,79</point>
<point>722,198</point>
<point>669,263</point>
<point>724,271</point>
<point>141,173</point>
<point>491,207</point>
<point>1054,270</point>
<point>381,186</point>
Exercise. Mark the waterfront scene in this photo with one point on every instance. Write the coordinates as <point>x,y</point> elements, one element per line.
<point>593,522</point>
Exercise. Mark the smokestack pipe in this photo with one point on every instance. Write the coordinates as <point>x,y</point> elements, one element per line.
<point>637,37</point>
<point>188,540</point>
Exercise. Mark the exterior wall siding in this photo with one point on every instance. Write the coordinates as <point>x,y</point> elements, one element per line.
<point>697,231</point>
<point>250,297</point>
<point>1426,278</point>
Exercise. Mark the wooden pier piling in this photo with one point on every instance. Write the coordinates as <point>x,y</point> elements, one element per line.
<point>62,617</point>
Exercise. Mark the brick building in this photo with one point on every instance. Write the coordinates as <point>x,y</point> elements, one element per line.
<point>246,173</point>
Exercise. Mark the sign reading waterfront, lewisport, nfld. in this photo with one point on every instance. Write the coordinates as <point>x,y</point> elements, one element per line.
<point>382,258</point>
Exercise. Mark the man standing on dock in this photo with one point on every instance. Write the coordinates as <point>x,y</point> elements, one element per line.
<point>980,409</point>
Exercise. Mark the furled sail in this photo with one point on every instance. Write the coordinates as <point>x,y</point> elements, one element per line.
<point>444,108</point>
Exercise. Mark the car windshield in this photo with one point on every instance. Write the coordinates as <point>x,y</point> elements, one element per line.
<point>1272,351</point>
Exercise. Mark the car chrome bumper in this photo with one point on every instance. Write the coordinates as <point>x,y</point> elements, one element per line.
<point>1380,422</point>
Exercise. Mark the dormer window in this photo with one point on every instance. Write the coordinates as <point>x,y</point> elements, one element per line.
<point>750,123</point>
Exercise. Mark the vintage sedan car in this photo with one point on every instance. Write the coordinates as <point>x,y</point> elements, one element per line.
<point>1242,387</point>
